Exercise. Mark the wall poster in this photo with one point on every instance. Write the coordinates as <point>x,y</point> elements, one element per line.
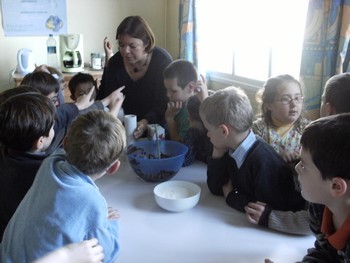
<point>34,17</point>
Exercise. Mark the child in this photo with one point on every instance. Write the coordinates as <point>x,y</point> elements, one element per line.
<point>45,83</point>
<point>57,74</point>
<point>281,122</point>
<point>196,139</point>
<point>64,204</point>
<point>324,176</point>
<point>336,95</point>
<point>81,84</point>
<point>26,131</point>
<point>244,168</point>
<point>180,80</point>
<point>335,100</point>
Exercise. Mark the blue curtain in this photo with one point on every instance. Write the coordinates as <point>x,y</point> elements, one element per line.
<point>325,49</point>
<point>187,28</point>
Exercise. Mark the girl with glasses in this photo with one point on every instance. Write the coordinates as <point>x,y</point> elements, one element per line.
<point>281,121</point>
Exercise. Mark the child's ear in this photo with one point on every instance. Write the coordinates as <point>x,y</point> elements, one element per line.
<point>329,109</point>
<point>339,187</point>
<point>38,144</point>
<point>113,167</point>
<point>224,129</point>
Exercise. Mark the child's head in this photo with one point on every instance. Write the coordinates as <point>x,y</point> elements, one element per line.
<point>56,73</point>
<point>18,90</point>
<point>26,121</point>
<point>45,83</point>
<point>230,107</point>
<point>325,156</point>
<point>180,79</point>
<point>281,100</point>
<point>81,84</point>
<point>94,141</point>
<point>336,95</point>
<point>193,104</point>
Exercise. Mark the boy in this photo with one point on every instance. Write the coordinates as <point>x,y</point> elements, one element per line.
<point>335,100</point>
<point>324,176</point>
<point>64,204</point>
<point>180,80</point>
<point>196,139</point>
<point>81,84</point>
<point>45,83</point>
<point>242,167</point>
<point>26,131</point>
<point>66,112</point>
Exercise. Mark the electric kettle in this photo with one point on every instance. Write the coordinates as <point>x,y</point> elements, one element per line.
<point>25,61</point>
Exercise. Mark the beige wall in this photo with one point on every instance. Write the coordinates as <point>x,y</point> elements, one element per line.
<point>95,20</point>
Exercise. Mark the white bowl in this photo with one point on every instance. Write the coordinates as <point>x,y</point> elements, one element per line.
<point>177,196</point>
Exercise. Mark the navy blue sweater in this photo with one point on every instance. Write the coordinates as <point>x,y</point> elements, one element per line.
<point>263,176</point>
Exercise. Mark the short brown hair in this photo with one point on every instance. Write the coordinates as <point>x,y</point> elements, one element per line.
<point>94,141</point>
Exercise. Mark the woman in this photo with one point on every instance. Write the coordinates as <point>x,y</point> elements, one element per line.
<point>138,65</point>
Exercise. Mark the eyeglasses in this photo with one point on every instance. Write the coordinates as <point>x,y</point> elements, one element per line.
<point>286,100</point>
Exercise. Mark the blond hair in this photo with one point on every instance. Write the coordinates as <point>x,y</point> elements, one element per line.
<point>94,141</point>
<point>230,106</point>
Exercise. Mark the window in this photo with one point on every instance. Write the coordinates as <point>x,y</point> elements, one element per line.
<point>250,41</point>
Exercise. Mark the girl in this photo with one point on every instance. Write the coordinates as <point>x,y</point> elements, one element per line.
<point>281,122</point>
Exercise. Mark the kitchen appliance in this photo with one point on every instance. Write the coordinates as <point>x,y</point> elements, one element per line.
<point>71,53</point>
<point>25,61</point>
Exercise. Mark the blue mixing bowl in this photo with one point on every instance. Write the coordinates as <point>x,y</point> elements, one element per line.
<point>143,158</point>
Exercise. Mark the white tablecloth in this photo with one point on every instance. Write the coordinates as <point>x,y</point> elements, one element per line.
<point>210,232</point>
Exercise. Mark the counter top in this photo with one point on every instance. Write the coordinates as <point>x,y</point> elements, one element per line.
<point>210,232</point>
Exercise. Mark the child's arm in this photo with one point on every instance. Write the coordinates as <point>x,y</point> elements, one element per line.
<point>201,88</point>
<point>172,109</point>
<point>297,222</point>
<point>84,101</point>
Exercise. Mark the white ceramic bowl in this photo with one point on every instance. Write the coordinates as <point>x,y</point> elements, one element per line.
<point>177,196</point>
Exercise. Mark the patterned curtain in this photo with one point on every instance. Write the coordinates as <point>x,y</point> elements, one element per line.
<point>325,49</point>
<point>187,29</point>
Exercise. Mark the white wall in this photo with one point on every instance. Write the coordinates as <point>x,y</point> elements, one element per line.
<point>95,20</point>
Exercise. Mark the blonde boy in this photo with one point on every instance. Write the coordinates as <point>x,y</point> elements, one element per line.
<point>244,168</point>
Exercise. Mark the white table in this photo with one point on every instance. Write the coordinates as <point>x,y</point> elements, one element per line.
<point>210,232</point>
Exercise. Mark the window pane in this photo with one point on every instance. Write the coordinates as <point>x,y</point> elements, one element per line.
<point>252,39</point>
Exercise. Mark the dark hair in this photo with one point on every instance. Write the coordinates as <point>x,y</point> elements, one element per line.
<point>268,94</point>
<point>24,118</point>
<point>137,27</point>
<point>79,79</point>
<point>42,81</point>
<point>193,104</point>
<point>184,71</point>
<point>337,92</point>
<point>17,90</point>
<point>328,142</point>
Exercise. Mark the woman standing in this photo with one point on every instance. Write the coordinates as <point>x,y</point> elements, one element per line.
<point>138,65</point>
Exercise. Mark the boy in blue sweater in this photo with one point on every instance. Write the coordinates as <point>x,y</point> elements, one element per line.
<point>243,168</point>
<point>64,205</point>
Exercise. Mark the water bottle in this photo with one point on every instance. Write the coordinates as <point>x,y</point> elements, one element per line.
<point>52,60</point>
